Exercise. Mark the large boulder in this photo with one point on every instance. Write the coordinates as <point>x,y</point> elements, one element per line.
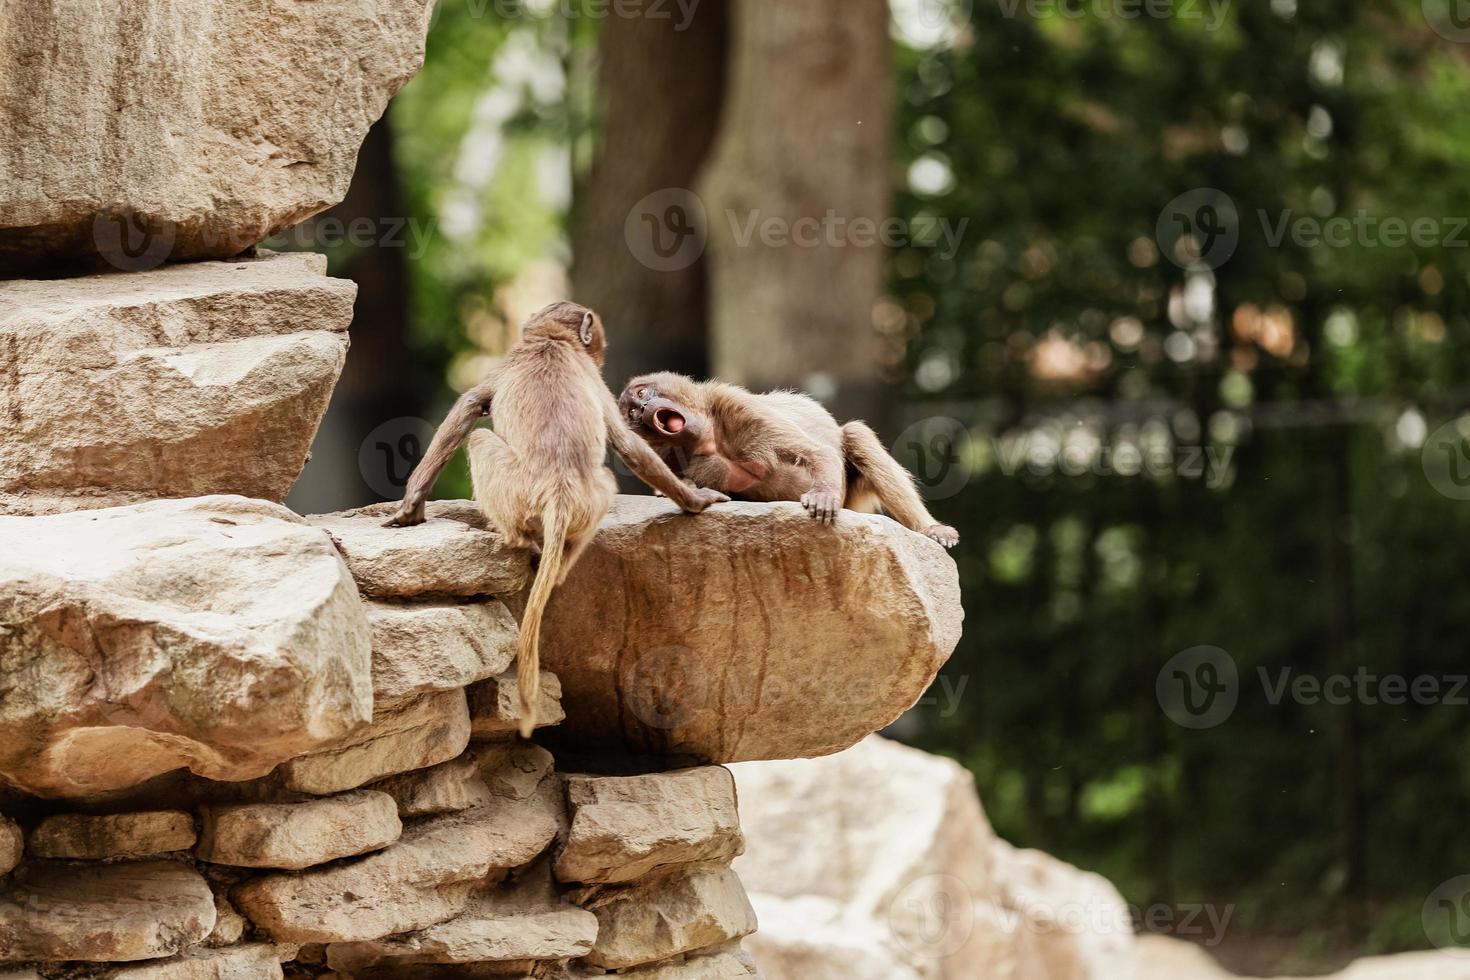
<point>879,864</point>
<point>182,382</point>
<point>206,151</point>
<point>219,634</point>
<point>750,631</point>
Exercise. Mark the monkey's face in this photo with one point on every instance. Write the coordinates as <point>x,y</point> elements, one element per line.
<point>661,408</point>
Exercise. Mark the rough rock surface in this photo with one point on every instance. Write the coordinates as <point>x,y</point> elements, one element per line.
<point>723,965</point>
<point>451,553</point>
<point>495,706</point>
<point>128,911</point>
<point>298,835</point>
<point>431,729</point>
<point>12,845</point>
<point>662,918</point>
<point>428,876</point>
<point>204,148</point>
<point>500,930</point>
<point>910,883</point>
<point>421,647</point>
<point>450,787</point>
<point>252,961</point>
<point>219,634</point>
<point>116,835</point>
<point>180,382</point>
<point>626,827</point>
<point>747,632</point>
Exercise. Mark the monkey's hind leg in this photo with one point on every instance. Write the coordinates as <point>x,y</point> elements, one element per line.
<point>491,464</point>
<point>880,476</point>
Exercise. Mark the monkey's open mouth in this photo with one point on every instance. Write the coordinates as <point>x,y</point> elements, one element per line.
<point>668,421</point>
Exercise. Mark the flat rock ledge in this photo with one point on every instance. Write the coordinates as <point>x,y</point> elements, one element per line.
<point>747,632</point>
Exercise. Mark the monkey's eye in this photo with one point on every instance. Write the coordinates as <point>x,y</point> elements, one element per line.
<point>643,392</point>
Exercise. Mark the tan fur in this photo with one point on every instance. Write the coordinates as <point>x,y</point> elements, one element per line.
<point>781,445</point>
<point>539,476</point>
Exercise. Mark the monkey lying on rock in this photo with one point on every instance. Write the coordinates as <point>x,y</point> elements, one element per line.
<point>539,476</point>
<point>777,446</point>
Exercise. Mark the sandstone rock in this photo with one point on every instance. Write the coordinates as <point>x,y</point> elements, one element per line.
<point>108,912</point>
<point>229,925</point>
<point>117,835</point>
<point>12,845</point>
<point>431,729</point>
<point>445,555</point>
<point>425,647</point>
<point>446,788</point>
<point>484,933</point>
<point>299,835</point>
<point>205,152</point>
<point>516,770</point>
<point>428,876</point>
<point>732,964</point>
<point>220,634</point>
<point>747,632</point>
<point>677,914</point>
<point>624,828</point>
<point>196,380</point>
<point>910,883</point>
<point>495,705</point>
<point>253,961</point>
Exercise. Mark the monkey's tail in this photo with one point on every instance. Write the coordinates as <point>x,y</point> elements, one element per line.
<point>548,573</point>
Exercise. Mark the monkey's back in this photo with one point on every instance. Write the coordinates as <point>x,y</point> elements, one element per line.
<point>552,442</point>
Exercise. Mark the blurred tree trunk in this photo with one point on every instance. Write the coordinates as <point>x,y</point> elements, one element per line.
<point>660,87</point>
<point>376,385</point>
<point>803,153</point>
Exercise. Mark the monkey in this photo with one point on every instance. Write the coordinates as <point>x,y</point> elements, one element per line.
<point>538,474</point>
<point>781,445</point>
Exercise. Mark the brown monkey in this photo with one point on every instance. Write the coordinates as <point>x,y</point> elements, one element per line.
<point>539,476</point>
<point>777,446</point>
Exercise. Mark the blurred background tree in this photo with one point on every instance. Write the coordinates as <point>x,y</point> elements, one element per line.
<point>1042,329</point>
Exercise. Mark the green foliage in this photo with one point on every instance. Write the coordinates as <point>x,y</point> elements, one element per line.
<point>1316,369</point>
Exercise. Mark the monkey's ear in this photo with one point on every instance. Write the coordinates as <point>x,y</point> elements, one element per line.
<point>587,328</point>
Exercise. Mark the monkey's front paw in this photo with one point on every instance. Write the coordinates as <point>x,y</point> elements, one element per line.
<point>702,497</point>
<point>944,534</point>
<point>821,504</point>
<point>406,516</point>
